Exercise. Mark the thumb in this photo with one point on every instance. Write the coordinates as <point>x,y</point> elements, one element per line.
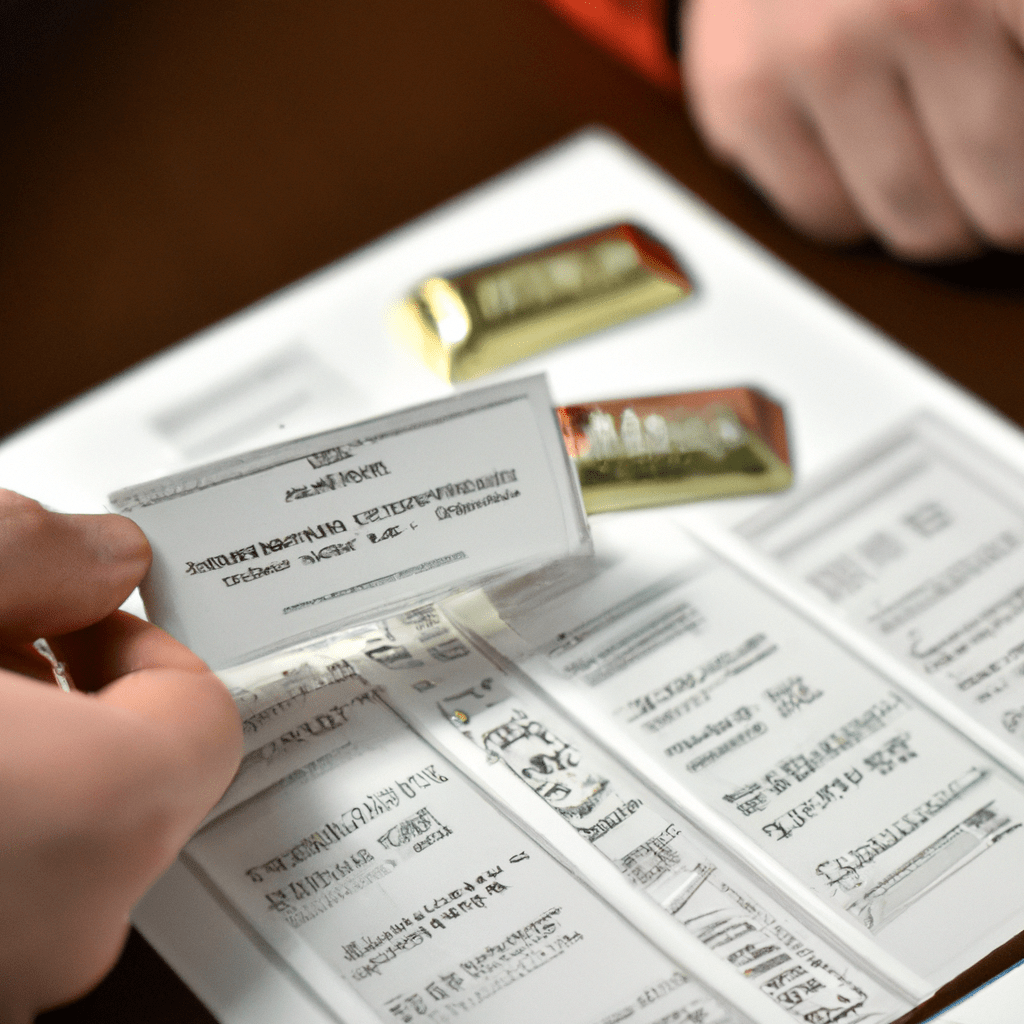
<point>59,573</point>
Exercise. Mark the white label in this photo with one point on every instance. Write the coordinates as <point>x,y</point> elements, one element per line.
<point>292,541</point>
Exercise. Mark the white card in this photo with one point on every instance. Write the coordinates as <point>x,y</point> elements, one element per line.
<point>288,542</point>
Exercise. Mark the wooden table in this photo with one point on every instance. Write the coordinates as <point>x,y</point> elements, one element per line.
<point>167,163</point>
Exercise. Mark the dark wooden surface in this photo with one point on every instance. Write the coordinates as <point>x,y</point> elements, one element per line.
<point>164,164</point>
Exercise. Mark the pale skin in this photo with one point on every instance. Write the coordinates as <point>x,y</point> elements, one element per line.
<point>901,119</point>
<point>98,790</point>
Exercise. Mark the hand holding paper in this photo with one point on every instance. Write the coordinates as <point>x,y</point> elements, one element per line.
<point>100,789</point>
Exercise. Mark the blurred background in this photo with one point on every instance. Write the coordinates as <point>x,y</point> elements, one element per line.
<point>167,163</point>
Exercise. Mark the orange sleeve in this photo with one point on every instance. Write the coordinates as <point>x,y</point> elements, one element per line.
<point>636,31</point>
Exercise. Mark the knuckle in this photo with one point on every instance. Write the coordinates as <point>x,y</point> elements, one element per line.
<point>13,503</point>
<point>824,215</point>
<point>928,243</point>
<point>932,18</point>
<point>1004,232</point>
<point>730,117</point>
<point>821,52</point>
<point>917,223</point>
<point>22,520</point>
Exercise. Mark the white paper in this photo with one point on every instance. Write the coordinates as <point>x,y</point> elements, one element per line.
<point>381,876</point>
<point>865,799</point>
<point>469,703</point>
<point>291,541</point>
<point>919,543</point>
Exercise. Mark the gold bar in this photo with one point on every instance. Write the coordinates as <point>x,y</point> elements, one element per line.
<point>466,324</point>
<point>634,453</point>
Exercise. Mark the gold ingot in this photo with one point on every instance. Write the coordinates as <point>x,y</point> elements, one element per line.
<point>636,453</point>
<point>466,324</point>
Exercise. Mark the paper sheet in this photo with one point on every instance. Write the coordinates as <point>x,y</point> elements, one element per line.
<point>752,321</point>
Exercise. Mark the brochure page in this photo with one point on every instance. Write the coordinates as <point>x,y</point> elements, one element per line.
<point>379,874</point>
<point>919,543</point>
<point>732,700</point>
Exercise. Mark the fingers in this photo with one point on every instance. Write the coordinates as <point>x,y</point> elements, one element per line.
<point>138,668</point>
<point>875,140</point>
<point>103,791</point>
<point>966,76</point>
<point>148,674</point>
<point>173,719</point>
<point>119,645</point>
<point>64,576</point>
<point>103,788</point>
<point>904,117</point>
<point>745,109</point>
<point>59,573</point>
<point>138,764</point>
<point>778,148</point>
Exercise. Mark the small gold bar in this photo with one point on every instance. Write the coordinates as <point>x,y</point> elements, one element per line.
<point>466,324</point>
<point>639,452</point>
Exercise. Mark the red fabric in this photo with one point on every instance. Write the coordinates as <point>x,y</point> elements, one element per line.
<point>634,30</point>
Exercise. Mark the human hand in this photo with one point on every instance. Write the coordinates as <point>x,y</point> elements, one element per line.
<point>98,790</point>
<point>899,118</point>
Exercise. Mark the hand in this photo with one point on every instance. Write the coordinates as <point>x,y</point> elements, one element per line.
<point>98,790</point>
<point>899,118</point>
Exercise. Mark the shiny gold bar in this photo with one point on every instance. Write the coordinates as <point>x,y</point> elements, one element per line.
<point>639,452</point>
<point>466,324</point>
